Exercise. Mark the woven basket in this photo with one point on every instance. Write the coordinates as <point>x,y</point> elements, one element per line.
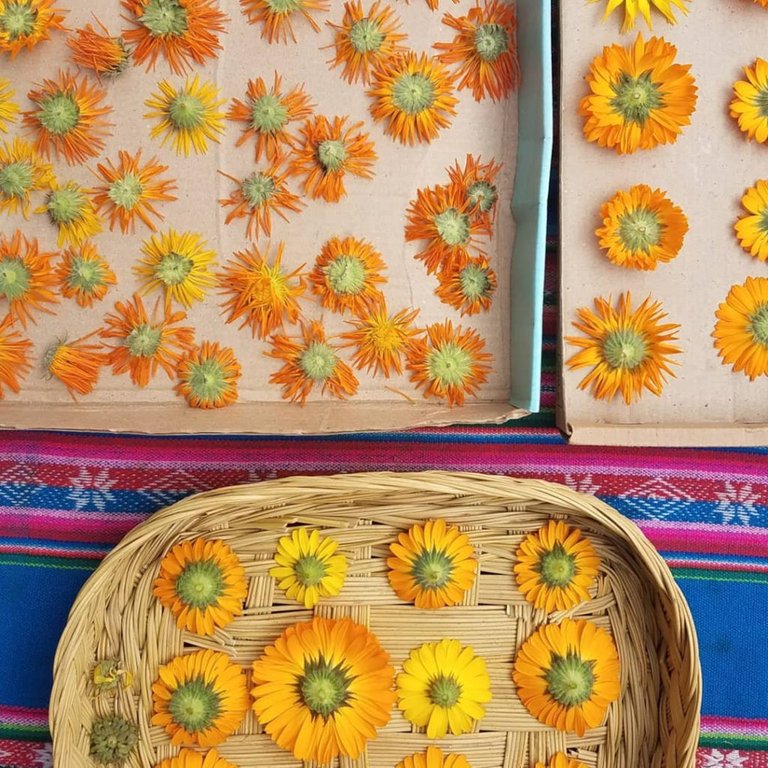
<point>654,724</point>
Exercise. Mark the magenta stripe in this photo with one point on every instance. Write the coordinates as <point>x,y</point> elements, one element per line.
<point>707,539</point>
<point>23,716</point>
<point>716,565</point>
<point>717,724</point>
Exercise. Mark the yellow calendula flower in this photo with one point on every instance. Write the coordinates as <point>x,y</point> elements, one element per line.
<point>22,172</point>
<point>752,229</point>
<point>561,760</point>
<point>434,757</point>
<point>444,688</point>
<point>71,210</point>
<point>750,105</point>
<point>25,23</point>
<point>635,8</point>
<point>308,567</point>
<point>8,107</point>
<point>188,758</point>
<point>555,567</point>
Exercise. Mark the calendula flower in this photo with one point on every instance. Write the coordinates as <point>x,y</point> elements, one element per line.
<point>380,340</point>
<point>256,197</point>
<point>556,566</point>
<point>449,364</point>
<point>443,687</point>
<point>741,331</point>
<point>26,277</point>
<point>328,150</point>
<point>25,23</point>
<point>626,351</point>
<point>323,689</point>
<point>199,698</point>
<point>187,116</point>
<point>751,97</point>
<point>639,96</point>
<point>144,343</point>
<point>643,7</point>
<point>365,38</point>
<point>442,218</point>
<point>561,760</point>
<point>22,172</point>
<point>413,96</point>
<point>432,565</point>
<point>262,294</point>
<point>201,582</point>
<point>347,274</point>
<point>308,567</point>
<point>68,118</point>
<point>84,275</point>
<point>484,49</point>
<point>188,758</point>
<point>567,675</point>
<point>70,209</point>
<point>178,264</point>
<point>468,287</point>
<point>14,357</point>
<point>478,180</point>
<point>641,228</point>
<point>8,108</point>
<point>112,740</point>
<point>751,230</point>
<point>208,376</point>
<point>434,758</point>
<point>129,190</point>
<point>310,362</point>
<point>110,675</point>
<point>99,51</point>
<point>76,364</point>
<point>276,16</point>
<point>181,31</point>
<point>267,115</point>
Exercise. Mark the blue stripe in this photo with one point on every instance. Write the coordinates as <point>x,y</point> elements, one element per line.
<point>684,511</point>
<point>55,546</point>
<point>725,559</point>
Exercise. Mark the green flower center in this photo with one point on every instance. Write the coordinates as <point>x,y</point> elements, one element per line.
<point>16,179</point>
<point>18,19</point>
<point>413,93</point>
<point>112,740</point>
<point>453,227</point>
<point>491,40</point>
<point>449,365</point>
<point>346,275</point>
<point>208,380</point>
<point>636,97</point>
<point>318,361</point>
<point>758,325</point>
<point>284,6</point>
<point>14,278</point>
<point>570,680</point>
<point>173,268</point>
<point>323,688</point>
<point>126,191</point>
<point>200,584</point>
<point>444,691</point>
<point>186,112</point>
<point>143,340</point>
<point>432,569</point>
<point>474,282</point>
<point>85,274</point>
<point>164,18</point>
<point>268,114</point>
<point>557,568</point>
<point>195,705</point>
<point>257,189</point>
<point>761,100</point>
<point>65,205</point>
<point>310,570</point>
<point>332,154</point>
<point>365,36</point>
<point>59,113</point>
<point>482,195</point>
<point>640,230</point>
<point>625,349</point>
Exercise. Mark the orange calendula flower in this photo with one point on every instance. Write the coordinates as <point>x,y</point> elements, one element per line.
<point>413,96</point>
<point>266,116</point>
<point>188,758</point>
<point>434,757</point>
<point>99,51</point>
<point>484,49</point>
<point>276,16</point>
<point>208,376</point>
<point>83,275</point>
<point>639,96</point>
<point>633,8</point>
<point>129,189</point>
<point>328,151</point>
<point>26,277</point>
<point>256,197</point>
<point>263,295</point>
<point>183,32</point>
<point>364,38</point>
<point>751,229</point>
<point>25,23</point>
<point>140,343</point>
<point>626,351</point>
<point>347,274</point>
<point>561,760</point>
<point>22,171</point>
<point>468,287</point>
<point>380,340</point>
<point>448,364</point>
<point>68,118</point>
<point>310,362</point>
<point>70,209</point>
<point>8,107</point>
<point>641,228</point>
<point>751,97</point>
<point>442,218</point>
<point>478,180</point>
<point>76,364</point>
<point>14,357</point>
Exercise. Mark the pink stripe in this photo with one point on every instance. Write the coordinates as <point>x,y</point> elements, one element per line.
<point>715,565</point>
<point>734,725</point>
<point>709,539</point>
<point>45,524</point>
<point>23,715</point>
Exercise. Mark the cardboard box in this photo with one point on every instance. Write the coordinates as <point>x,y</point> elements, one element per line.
<point>374,210</point>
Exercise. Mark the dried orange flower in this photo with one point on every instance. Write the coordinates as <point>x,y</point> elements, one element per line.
<point>478,180</point>
<point>208,376</point>
<point>25,23</point>
<point>275,16</point>
<point>14,357</point>
<point>22,171</point>
<point>310,362</point>
<point>468,287</point>
<point>71,211</point>
<point>76,364</point>
<point>99,51</point>
<point>83,275</point>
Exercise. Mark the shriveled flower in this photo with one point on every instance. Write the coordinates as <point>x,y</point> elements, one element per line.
<point>99,51</point>
<point>484,49</point>
<point>276,17</point>
<point>751,229</point>
<point>189,758</point>
<point>22,172</point>
<point>188,116</point>
<point>8,107</point>
<point>72,212</point>
<point>633,8</point>
<point>639,96</point>
<point>626,351</point>
<point>468,287</point>
<point>25,23</point>
<point>434,757</point>
<point>76,364</point>
<point>208,376</point>
<point>14,357</point>
<point>641,228</point>
<point>110,675</point>
<point>310,362</point>
<point>478,180</point>
<point>308,567</point>
<point>112,740</point>
<point>84,275</point>
<point>750,105</point>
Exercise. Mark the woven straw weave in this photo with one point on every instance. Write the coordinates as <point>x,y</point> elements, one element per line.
<point>655,724</point>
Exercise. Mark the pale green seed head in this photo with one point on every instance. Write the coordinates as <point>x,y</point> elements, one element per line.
<point>66,205</point>
<point>284,7</point>
<point>453,227</point>
<point>475,283</point>
<point>18,19</point>
<point>257,189</point>
<point>310,570</point>
<point>164,18</point>
<point>200,584</point>
<point>570,681</point>
<point>126,191</point>
<point>208,380</point>
<point>444,691</point>
<point>413,93</point>
<point>59,113</point>
<point>186,112</point>
<point>14,278</point>
<point>323,687</point>
<point>268,114</point>
<point>365,36</point>
<point>450,365</point>
<point>758,325</point>
<point>194,705</point>
<point>640,230</point>
<point>625,349</point>
<point>332,154</point>
<point>85,274</point>
<point>491,40</point>
<point>143,340</point>
<point>636,97</point>
<point>483,195</point>
<point>318,361</point>
<point>16,179</point>
<point>346,275</point>
<point>173,268</point>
